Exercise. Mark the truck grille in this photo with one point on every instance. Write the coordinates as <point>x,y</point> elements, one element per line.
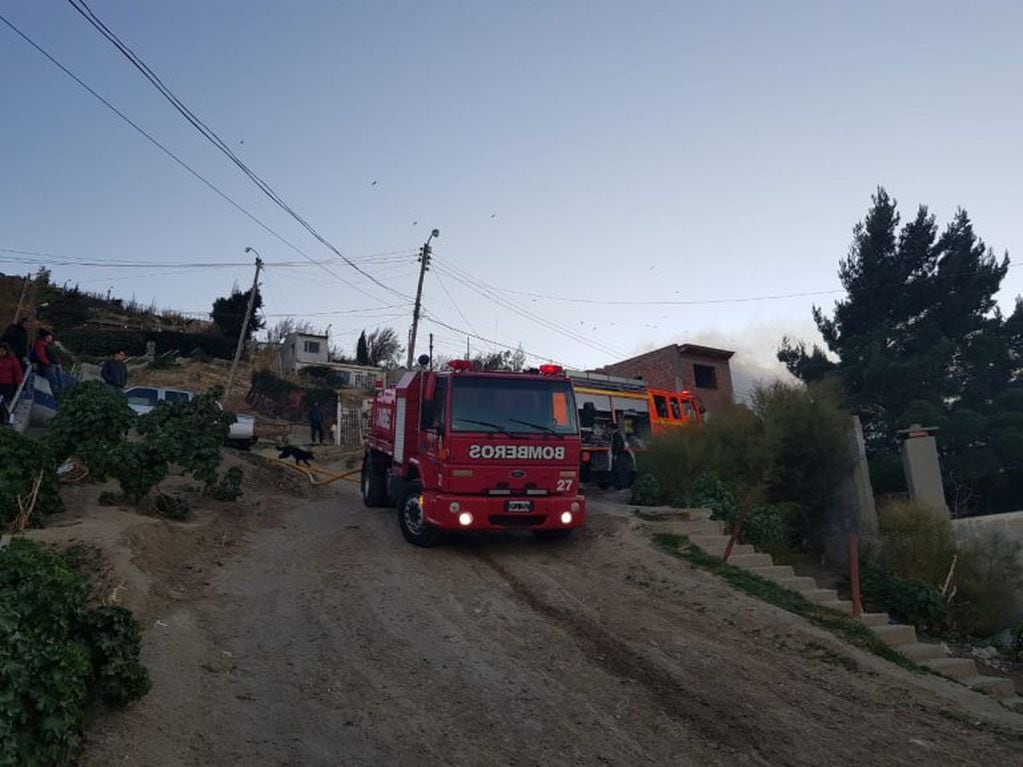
<point>516,520</point>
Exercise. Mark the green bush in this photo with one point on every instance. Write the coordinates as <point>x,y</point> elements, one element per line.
<point>1016,643</point>
<point>171,506</point>
<point>989,583</point>
<point>21,461</point>
<point>138,468</point>
<point>229,487</point>
<point>91,417</point>
<point>917,541</point>
<point>767,528</point>
<point>913,602</point>
<point>56,655</point>
<point>646,490</point>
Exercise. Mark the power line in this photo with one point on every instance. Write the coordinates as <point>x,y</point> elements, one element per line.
<point>179,161</point>
<point>453,301</point>
<point>87,13</point>
<point>546,358</point>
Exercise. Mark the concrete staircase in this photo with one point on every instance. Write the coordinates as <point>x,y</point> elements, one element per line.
<point>708,534</point>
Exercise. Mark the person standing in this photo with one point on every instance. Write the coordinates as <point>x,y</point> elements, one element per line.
<point>10,373</point>
<point>114,372</point>
<point>47,363</point>
<point>315,424</point>
<point>16,337</point>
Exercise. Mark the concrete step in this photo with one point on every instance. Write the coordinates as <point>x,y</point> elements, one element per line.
<point>895,634</point>
<point>921,651</point>
<point>690,528</point>
<point>995,686</point>
<point>875,619</point>
<point>773,571</point>
<point>839,605</point>
<point>750,561</point>
<point>797,583</point>
<point>957,668</point>
<point>820,596</point>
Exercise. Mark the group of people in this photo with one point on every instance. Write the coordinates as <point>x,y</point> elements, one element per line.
<point>16,355</point>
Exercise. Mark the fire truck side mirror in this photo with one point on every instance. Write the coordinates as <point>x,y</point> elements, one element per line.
<point>588,415</point>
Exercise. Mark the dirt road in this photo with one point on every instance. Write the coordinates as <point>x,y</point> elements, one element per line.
<point>327,640</point>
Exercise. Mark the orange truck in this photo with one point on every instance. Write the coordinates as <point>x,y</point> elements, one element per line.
<point>617,418</point>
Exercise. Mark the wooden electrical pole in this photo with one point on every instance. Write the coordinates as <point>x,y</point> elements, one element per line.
<point>21,300</point>
<point>245,325</point>
<point>424,264</point>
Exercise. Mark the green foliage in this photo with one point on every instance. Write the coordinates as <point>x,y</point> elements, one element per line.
<point>989,582</point>
<point>21,461</point>
<point>362,350</point>
<point>138,467</point>
<point>102,343</point>
<point>55,656</point>
<point>106,498</point>
<point>114,643</point>
<point>917,541</point>
<point>229,487</point>
<point>91,417</point>
<point>768,528</point>
<point>229,314</point>
<point>919,338</point>
<point>189,434</point>
<point>805,434</point>
<point>67,309</point>
<point>172,506</point>
<point>646,490</point>
<point>163,362</point>
<point>914,602</point>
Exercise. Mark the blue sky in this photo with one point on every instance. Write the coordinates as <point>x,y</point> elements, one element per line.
<point>648,151</point>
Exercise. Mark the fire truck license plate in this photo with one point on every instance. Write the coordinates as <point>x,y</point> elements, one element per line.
<point>519,506</point>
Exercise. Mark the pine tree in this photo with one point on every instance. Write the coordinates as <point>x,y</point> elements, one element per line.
<point>362,350</point>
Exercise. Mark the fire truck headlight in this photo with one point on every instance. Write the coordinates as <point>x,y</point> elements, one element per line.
<point>454,507</point>
<point>566,517</point>
<point>465,519</point>
<point>574,506</point>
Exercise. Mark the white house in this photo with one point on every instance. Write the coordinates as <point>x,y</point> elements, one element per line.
<point>300,350</point>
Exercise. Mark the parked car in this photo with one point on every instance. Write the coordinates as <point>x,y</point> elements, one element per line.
<point>142,399</point>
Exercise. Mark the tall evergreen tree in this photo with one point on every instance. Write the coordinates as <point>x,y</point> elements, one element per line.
<point>229,314</point>
<point>918,337</point>
<point>362,350</point>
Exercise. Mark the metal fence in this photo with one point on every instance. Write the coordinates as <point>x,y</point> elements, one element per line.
<point>350,428</point>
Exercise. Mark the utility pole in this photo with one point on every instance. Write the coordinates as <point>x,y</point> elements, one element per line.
<point>245,323</point>
<point>431,351</point>
<point>21,300</point>
<point>424,264</point>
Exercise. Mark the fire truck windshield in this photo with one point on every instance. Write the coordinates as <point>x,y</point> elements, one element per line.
<point>512,406</point>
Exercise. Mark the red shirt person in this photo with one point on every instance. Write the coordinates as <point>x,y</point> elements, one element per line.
<point>10,372</point>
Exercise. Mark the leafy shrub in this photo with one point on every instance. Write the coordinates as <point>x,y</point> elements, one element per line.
<point>916,541</point>
<point>989,582</point>
<point>163,362</point>
<point>1016,643</point>
<point>806,434</point>
<point>229,487</point>
<point>21,461</point>
<point>57,655</point>
<point>106,498</point>
<point>114,643</point>
<point>171,506</point>
<point>767,528</point>
<point>646,490</point>
<point>138,468</point>
<point>90,419</point>
<point>913,602</point>
<point>189,434</point>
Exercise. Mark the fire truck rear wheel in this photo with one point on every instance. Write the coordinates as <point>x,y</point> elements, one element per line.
<point>374,484</point>
<point>412,520</point>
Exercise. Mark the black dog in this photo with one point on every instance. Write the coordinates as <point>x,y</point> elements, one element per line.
<point>300,455</point>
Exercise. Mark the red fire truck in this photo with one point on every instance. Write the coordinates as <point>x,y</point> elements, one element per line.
<point>470,450</point>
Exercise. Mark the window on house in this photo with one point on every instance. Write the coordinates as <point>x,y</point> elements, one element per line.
<point>705,377</point>
<point>312,347</point>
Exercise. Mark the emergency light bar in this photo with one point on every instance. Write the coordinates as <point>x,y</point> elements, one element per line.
<point>460,366</point>
<point>551,370</point>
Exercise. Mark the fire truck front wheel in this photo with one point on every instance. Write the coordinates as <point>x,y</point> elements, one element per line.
<point>374,484</point>
<point>412,520</point>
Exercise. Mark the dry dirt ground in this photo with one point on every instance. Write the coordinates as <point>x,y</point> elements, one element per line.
<point>301,629</point>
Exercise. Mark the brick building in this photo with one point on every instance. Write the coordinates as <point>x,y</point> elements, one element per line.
<point>703,370</point>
